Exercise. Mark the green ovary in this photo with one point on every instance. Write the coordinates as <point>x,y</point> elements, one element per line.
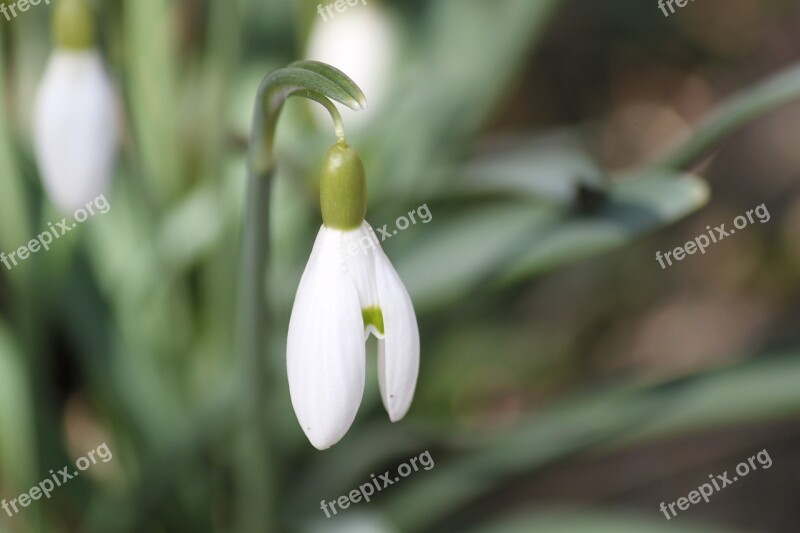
<point>343,188</point>
<point>73,25</point>
<point>373,316</point>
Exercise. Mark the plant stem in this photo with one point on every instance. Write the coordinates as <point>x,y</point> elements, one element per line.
<point>256,493</point>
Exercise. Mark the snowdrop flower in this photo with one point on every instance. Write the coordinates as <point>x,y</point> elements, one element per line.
<point>75,116</point>
<point>349,289</point>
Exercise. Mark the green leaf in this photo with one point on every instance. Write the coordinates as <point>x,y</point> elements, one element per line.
<point>561,431</point>
<point>745,106</point>
<point>152,88</point>
<point>760,390</point>
<point>192,229</point>
<point>632,208</point>
<point>514,239</point>
<point>14,223</point>
<point>17,460</point>
<point>754,391</point>
<point>549,167</point>
<point>458,251</point>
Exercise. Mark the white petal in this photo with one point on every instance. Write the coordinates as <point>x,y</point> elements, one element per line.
<point>359,247</point>
<point>398,352</point>
<point>325,356</point>
<point>76,129</point>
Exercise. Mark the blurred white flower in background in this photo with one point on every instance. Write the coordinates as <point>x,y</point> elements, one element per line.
<point>75,129</point>
<point>364,42</point>
<point>76,120</point>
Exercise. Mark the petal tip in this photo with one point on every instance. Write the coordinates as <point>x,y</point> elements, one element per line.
<point>323,440</point>
<point>395,414</point>
<point>321,445</point>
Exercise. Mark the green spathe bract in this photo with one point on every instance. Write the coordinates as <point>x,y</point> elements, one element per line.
<point>73,25</point>
<point>343,188</point>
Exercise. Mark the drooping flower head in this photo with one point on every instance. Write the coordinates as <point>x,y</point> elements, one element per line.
<point>75,116</point>
<point>348,290</point>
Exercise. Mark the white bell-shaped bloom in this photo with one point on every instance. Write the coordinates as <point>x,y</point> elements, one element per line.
<point>76,128</point>
<point>349,289</point>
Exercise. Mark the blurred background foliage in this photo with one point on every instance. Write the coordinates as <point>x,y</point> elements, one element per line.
<point>567,383</point>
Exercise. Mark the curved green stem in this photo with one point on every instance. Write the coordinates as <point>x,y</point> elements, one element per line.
<point>320,83</point>
<point>338,125</point>
<point>310,79</point>
<point>779,90</point>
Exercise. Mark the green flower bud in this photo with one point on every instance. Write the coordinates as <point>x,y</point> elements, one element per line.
<point>73,25</point>
<point>343,188</point>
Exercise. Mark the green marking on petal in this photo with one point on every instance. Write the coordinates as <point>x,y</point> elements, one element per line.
<point>373,316</point>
